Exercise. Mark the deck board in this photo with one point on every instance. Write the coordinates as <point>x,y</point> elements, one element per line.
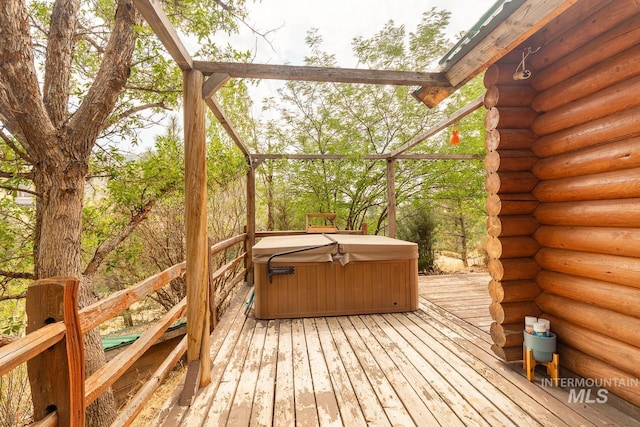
<point>430,367</point>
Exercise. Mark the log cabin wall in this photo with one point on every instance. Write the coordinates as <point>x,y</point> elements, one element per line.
<point>563,189</point>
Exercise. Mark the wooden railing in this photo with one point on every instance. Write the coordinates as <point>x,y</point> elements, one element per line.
<point>53,346</point>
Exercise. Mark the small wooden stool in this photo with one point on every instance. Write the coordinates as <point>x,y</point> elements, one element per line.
<point>529,365</point>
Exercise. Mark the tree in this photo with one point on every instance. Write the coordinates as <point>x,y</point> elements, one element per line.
<point>458,195</point>
<point>355,120</point>
<point>418,226</point>
<point>98,70</point>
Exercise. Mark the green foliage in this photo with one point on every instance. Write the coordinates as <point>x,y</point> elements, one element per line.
<point>458,194</point>
<point>419,227</point>
<point>157,177</point>
<point>355,121</point>
<point>359,120</point>
<point>12,325</point>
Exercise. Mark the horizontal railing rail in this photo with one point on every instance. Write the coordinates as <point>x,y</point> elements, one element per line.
<point>69,330</point>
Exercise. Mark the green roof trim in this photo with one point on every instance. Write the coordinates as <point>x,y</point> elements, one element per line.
<point>501,10</point>
<point>113,342</point>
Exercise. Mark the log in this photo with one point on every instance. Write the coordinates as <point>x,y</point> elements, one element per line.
<point>196,224</point>
<point>622,125</point>
<point>508,96</point>
<point>612,213</point>
<point>509,118</point>
<point>512,268</point>
<point>509,139</point>
<point>619,184</point>
<point>513,290</point>
<point>606,322</point>
<point>391,199</point>
<point>508,354</point>
<point>586,51</point>
<point>564,27</point>
<point>608,101</point>
<point>49,371</point>
<point>501,73</point>
<point>511,247</point>
<point>510,182</point>
<point>611,296</point>
<point>492,162</point>
<point>616,155</point>
<point>509,335</point>
<point>250,241</point>
<point>509,160</point>
<point>136,404</point>
<point>616,69</point>
<point>510,204</point>
<point>513,312</point>
<point>608,268</point>
<point>516,225</point>
<point>619,241</point>
<point>93,315</point>
<point>621,355</point>
<point>108,374</point>
<point>591,367</point>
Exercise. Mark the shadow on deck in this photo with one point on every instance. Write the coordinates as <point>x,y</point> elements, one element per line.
<point>430,367</point>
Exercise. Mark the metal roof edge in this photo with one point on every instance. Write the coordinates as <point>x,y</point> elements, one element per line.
<point>501,10</point>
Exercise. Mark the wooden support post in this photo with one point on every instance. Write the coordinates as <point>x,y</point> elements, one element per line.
<point>213,308</point>
<point>391,197</point>
<point>251,221</point>
<point>57,376</point>
<point>196,227</point>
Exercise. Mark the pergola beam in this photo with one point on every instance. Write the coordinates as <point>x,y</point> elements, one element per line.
<point>213,84</point>
<point>161,26</point>
<point>217,110</point>
<point>417,156</point>
<point>322,74</point>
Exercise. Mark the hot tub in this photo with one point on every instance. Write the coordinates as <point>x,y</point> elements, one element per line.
<point>320,275</point>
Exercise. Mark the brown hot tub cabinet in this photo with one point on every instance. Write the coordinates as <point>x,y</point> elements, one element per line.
<point>320,275</point>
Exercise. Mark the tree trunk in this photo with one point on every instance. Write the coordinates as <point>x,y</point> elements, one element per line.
<point>60,187</point>
<point>58,144</point>
<point>463,241</point>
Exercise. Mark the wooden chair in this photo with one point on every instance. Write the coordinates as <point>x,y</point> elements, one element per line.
<point>322,228</point>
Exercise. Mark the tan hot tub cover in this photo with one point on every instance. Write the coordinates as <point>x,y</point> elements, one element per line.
<point>346,248</point>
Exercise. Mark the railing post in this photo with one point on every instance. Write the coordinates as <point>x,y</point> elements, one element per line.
<point>251,221</point>
<point>391,198</point>
<point>57,375</point>
<point>365,228</point>
<point>213,309</point>
<point>195,153</point>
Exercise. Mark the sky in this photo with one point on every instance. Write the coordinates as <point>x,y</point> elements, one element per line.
<point>287,22</point>
<point>339,21</point>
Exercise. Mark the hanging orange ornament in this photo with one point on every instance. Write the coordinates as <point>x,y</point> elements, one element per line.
<point>455,137</point>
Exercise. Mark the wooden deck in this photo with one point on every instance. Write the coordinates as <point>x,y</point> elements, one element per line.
<point>427,368</point>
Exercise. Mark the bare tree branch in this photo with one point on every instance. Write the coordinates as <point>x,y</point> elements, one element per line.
<point>152,90</point>
<point>9,175</point>
<point>58,60</point>
<point>23,154</point>
<point>89,120</point>
<point>17,275</point>
<point>24,190</point>
<point>107,247</point>
<point>21,106</point>
<point>139,108</point>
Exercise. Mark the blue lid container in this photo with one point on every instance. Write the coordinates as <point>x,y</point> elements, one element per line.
<point>543,347</point>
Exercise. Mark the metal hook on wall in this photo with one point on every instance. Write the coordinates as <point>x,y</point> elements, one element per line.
<point>522,73</point>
